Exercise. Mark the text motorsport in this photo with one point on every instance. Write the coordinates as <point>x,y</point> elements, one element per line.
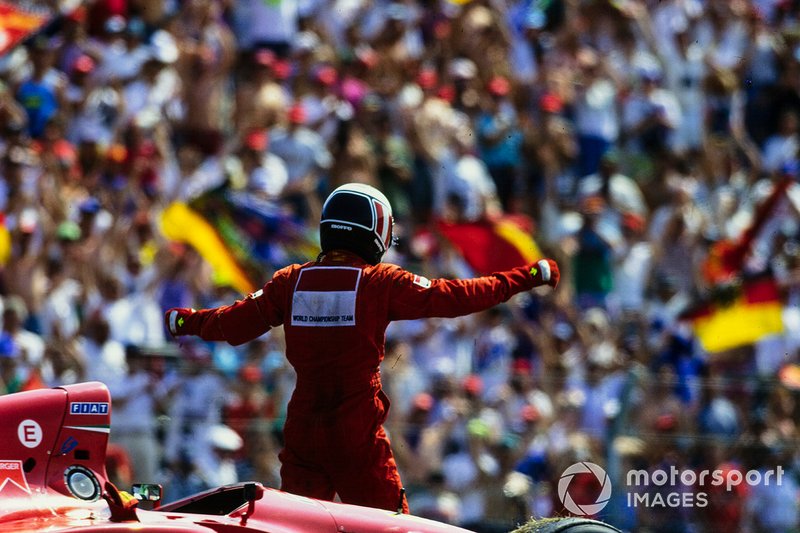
<point>659,488</point>
<point>686,479</point>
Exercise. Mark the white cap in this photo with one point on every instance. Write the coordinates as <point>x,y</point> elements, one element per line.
<point>464,68</point>
<point>163,47</point>
<point>224,438</point>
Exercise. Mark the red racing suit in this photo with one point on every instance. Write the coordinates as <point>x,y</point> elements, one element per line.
<point>335,312</point>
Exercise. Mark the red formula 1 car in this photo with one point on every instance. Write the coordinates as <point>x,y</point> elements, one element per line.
<point>53,478</point>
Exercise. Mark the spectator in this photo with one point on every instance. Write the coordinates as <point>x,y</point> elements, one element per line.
<point>255,169</point>
<point>596,120</point>
<point>306,157</point>
<point>60,314</point>
<point>651,116</point>
<point>261,26</point>
<point>548,155</point>
<point>30,345</point>
<point>394,170</point>
<point>41,94</point>
<point>499,140</point>
<point>782,148</point>
<point>123,51</point>
<point>207,53</point>
<point>195,407</point>
<point>685,71</point>
<point>105,357</point>
<point>219,445</point>
<point>249,405</point>
<point>260,98</point>
<point>10,373</point>
<point>136,398</point>
<point>593,259</point>
<point>465,190</point>
<point>185,479</point>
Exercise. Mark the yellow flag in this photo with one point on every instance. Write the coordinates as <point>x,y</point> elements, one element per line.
<point>181,223</point>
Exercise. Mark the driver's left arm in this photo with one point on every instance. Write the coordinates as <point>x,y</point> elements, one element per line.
<point>412,296</point>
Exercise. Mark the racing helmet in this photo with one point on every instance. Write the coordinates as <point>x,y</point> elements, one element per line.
<point>358,218</point>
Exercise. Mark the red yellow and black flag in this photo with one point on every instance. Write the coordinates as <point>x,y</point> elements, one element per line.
<point>742,314</point>
<point>493,245</point>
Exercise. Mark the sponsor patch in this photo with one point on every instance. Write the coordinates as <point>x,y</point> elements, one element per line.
<point>29,433</point>
<point>325,297</point>
<point>12,474</point>
<point>422,281</point>
<point>68,445</point>
<point>88,408</point>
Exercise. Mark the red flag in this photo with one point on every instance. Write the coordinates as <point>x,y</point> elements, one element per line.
<point>726,258</point>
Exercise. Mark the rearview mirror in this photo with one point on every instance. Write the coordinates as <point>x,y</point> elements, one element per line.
<point>252,492</point>
<point>149,492</point>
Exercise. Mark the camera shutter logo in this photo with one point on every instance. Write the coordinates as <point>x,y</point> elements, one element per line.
<point>602,498</point>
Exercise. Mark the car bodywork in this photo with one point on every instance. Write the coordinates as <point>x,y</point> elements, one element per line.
<point>53,477</point>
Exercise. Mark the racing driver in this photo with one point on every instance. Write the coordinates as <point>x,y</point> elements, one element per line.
<point>335,311</point>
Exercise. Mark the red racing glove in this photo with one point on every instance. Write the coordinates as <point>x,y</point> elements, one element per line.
<point>545,272</point>
<point>175,319</point>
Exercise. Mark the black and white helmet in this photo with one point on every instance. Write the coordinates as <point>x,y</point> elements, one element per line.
<point>358,218</point>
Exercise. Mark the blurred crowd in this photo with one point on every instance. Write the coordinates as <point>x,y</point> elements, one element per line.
<point>634,133</point>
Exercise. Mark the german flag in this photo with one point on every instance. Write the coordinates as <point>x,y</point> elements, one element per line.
<point>750,312</point>
<point>493,245</point>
